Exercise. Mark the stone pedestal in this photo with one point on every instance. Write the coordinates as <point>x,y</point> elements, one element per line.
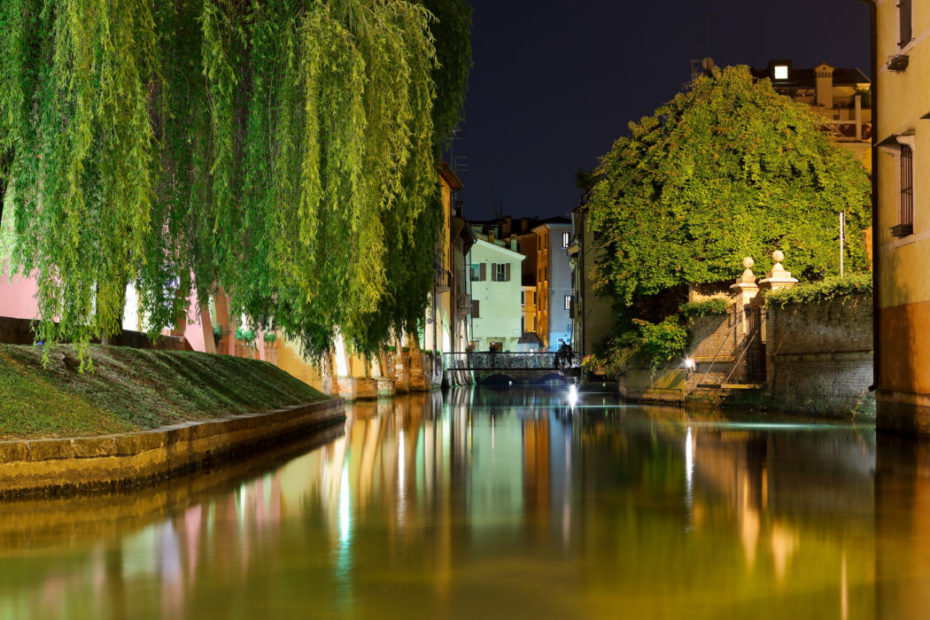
<point>778,278</point>
<point>386,387</point>
<point>356,388</point>
<point>745,289</point>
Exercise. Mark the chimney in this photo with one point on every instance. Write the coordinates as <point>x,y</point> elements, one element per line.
<point>824,75</point>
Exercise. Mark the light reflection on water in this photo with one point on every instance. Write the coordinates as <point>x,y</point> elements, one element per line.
<point>501,503</point>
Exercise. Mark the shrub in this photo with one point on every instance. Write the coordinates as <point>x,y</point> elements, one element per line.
<point>650,343</point>
<point>246,335</point>
<point>708,307</point>
<point>270,336</point>
<point>829,288</point>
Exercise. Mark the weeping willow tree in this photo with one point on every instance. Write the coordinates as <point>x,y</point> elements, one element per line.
<point>283,151</point>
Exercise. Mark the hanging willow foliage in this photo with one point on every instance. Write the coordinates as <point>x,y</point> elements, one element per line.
<point>280,150</point>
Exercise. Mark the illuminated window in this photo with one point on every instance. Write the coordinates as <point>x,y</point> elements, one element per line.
<point>566,237</point>
<point>568,302</point>
<point>781,72</point>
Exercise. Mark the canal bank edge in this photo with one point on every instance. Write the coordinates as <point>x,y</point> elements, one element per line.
<point>61,466</point>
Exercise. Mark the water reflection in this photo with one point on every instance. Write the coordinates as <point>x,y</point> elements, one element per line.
<point>513,502</point>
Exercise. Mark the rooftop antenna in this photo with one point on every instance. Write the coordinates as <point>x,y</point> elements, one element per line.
<point>455,138</point>
<point>704,63</point>
<point>460,164</point>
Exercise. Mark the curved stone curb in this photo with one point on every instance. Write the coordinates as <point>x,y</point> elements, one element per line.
<point>48,466</point>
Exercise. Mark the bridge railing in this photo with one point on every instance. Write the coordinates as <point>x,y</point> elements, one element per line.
<point>486,360</point>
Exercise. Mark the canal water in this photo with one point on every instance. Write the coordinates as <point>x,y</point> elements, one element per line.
<point>501,504</point>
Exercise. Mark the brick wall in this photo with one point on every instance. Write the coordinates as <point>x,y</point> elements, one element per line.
<point>712,345</point>
<point>819,357</point>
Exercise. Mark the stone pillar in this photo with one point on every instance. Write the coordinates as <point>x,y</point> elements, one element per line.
<point>744,291</point>
<point>384,384</point>
<point>778,278</point>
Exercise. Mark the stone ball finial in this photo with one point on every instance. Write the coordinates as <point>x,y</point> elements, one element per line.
<point>778,256</point>
<point>748,262</point>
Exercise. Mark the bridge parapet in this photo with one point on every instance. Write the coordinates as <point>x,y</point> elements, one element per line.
<point>486,360</point>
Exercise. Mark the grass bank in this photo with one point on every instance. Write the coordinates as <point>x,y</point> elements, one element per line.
<point>133,389</point>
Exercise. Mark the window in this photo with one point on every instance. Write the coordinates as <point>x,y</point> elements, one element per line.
<point>906,222</point>
<point>522,298</point>
<point>475,272</point>
<point>475,309</point>
<point>501,272</point>
<point>522,324</point>
<point>566,238</point>
<point>781,72</point>
<point>905,29</point>
<point>568,302</point>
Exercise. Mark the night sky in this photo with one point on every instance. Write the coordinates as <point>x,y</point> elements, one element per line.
<point>555,83</point>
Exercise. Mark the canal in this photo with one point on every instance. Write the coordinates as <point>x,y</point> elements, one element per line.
<point>501,504</point>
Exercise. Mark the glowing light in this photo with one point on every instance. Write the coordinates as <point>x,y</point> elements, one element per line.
<point>690,364</point>
<point>689,467</point>
<point>781,72</point>
<point>572,395</point>
<point>345,522</point>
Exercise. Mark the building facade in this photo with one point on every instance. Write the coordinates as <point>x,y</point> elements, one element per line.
<point>553,283</point>
<point>496,312</point>
<point>901,217</point>
<point>591,313</point>
<point>841,96</point>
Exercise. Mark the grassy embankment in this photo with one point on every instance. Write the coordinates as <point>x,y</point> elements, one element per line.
<point>132,389</point>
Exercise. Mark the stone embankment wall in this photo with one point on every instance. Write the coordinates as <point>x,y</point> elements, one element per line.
<point>819,357</point>
<point>50,466</point>
<point>818,361</point>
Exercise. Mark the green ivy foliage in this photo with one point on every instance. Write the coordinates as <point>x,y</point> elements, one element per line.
<point>725,170</point>
<point>707,307</point>
<point>280,150</point>
<point>817,292</point>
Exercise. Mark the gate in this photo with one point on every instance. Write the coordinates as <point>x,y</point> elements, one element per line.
<point>755,352</point>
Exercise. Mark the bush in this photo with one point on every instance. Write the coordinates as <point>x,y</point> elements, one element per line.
<point>830,288</point>
<point>708,307</point>
<point>270,337</point>
<point>246,335</point>
<point>650,343</point>
<point>662,343</point>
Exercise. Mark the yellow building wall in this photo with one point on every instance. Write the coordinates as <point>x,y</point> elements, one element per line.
<point>292,362</point>
<point>903,377</point>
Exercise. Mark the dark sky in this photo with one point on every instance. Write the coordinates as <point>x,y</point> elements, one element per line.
<point>554,83</point>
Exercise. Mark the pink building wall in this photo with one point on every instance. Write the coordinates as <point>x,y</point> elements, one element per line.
<point>18,301</point>
<point>17,298</point>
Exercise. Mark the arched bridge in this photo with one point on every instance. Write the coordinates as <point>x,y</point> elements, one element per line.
<point>487,367</point>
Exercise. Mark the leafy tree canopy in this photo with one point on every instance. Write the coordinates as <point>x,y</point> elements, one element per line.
<point>280,150</point>
<point>725,170</point>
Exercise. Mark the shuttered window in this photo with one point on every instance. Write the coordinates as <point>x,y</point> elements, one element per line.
<point>905,27</point>
<point>475,309</point>
<point>907,186</point>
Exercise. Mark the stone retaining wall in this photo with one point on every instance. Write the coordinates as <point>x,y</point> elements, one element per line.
<point>819,357</point>
<point>46,466</point>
